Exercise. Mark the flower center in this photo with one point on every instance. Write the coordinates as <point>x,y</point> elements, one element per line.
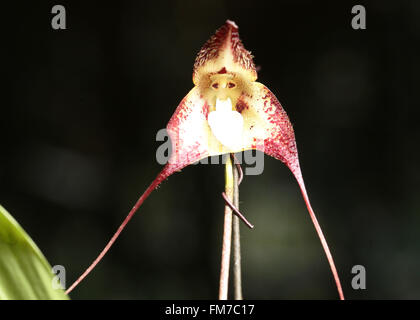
<point>226,124</point>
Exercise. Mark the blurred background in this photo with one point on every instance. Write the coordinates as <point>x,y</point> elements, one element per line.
<point>81,107</point>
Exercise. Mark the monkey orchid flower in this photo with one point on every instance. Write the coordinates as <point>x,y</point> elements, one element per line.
<point>227,111</point>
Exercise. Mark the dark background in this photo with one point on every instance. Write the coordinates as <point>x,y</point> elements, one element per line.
<point>80,109</point>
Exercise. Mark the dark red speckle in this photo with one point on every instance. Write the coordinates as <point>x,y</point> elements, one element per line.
<point>241,105</point>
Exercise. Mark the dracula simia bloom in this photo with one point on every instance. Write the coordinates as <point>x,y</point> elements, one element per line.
<point>227,111</point>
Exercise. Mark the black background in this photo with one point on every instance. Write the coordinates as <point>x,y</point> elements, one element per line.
<point>80,109</point>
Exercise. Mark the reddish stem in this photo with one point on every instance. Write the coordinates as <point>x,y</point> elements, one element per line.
<point>236,211</point>
<point>139,202</point>
<point>318,229</point>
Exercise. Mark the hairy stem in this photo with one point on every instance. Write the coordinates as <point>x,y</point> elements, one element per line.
<point>227,234</point>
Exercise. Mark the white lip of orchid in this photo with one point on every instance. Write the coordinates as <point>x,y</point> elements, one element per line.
<point>226,124</point>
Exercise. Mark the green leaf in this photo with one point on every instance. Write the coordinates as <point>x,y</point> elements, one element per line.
<point>24,271</point>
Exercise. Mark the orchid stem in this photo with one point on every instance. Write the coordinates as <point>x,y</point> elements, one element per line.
<point>227,234</point>
<point>237,273</point>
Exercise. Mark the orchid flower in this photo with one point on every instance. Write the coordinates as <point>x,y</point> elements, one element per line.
<point>227,111</point>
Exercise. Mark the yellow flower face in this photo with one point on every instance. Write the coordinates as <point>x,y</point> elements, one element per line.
<point>227,111</point>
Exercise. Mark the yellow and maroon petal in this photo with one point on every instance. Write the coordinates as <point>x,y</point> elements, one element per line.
<point>224,53</point>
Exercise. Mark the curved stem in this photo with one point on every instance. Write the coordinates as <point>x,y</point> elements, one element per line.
<point>161,176</point>
<point>227,234</point>
<point>298,175</point>
<point>237,212</point>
